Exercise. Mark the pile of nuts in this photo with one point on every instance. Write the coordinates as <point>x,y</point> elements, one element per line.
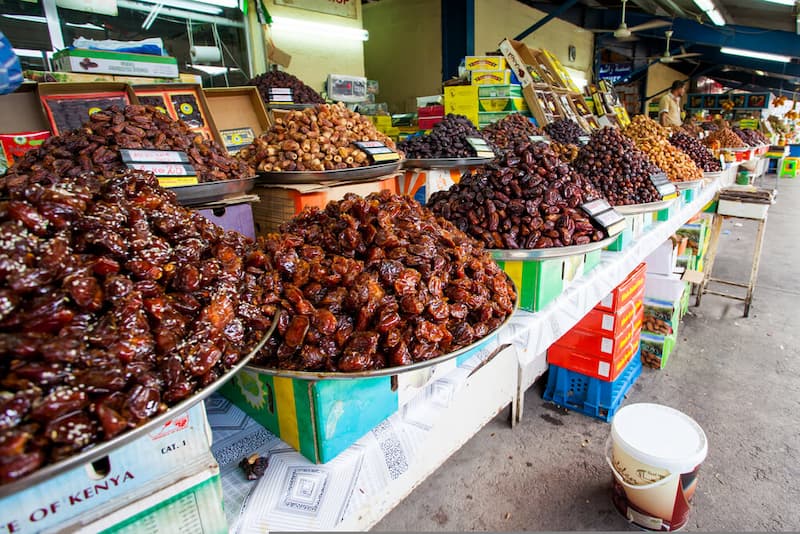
<point>724,138</point>
<point>96,147</point>
<point>526,198</point>
<point>314,139</point>
<point>564,131</point>
<point>693,148</point>
<point>378,282</point>
<point>617,168</point>
<point>301,93</point>
<point>447,139</point>
<point>510,129</point>
<point>115,303</point>
<point>751,137</point>
<point>651,138</point>
<point>566,153</point>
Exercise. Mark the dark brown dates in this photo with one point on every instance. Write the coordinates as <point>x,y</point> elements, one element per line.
<point>447,139</point>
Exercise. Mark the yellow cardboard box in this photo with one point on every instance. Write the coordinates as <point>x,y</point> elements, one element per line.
<point>485,62</point>
<point>491,77</point>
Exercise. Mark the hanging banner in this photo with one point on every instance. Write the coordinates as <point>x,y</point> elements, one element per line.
<point>340,8</point>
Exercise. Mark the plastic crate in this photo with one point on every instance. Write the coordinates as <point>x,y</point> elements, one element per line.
<point>590,396</point>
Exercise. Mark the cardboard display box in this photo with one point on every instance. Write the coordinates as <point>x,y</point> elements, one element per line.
<point>462,100</point>
<point>627,291</point>
<point>605,322</point>
<point>490,77</point>
<point>656,349</point>
<point>54,76</point>
<point>122,63</point>
<point>420,184</point>
<point>67,106</point>
<point>495,104</point>
<point>500,91</point>
<point>608,347</point>
<point>232,215</point>
<point>635,226</point>
<point>239,115</point>
<point>182,101</point>
<point>605,367</point>
<point>663,259</point>
<point>484,63</point>
<point>661,316</point>
<point>22,115</point>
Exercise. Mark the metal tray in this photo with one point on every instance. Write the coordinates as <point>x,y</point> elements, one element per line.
<point>359,174</point>
<point>291,106</point>
<point>193,195</point>
<point>633,209</point>
<point>445,163</point>
<point>526,254</point>
<point>691,184</point>
<point>388,371</point>
<point>106,447</point>
<point>713,175</point>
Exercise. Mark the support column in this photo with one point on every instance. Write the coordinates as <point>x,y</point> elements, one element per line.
<point>458,34</point>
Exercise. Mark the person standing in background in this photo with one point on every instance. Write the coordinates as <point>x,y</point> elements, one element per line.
<point>10,70</point>
<point>669,107</point>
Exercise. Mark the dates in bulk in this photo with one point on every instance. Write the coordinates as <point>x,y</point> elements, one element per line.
<point>566,153</point>
<point>526,198</point>
<point>95,147</point>
<point>115,303</point>
<point>693,148</point>
<point>378,282</point>
<point>724,138</point>
<point>564,131</point>
<point>643,127</point>
<point>314,139</point>
<point>751,137</point>
<point>651,138</point>
<point>447,139</point>
<point>617,168</point>
<point>301,93</point>
<point>510,129</point>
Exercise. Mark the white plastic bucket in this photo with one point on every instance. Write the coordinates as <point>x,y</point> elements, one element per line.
<point>655,453</point>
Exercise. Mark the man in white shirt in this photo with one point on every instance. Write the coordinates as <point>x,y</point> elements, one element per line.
<point>669,107</point>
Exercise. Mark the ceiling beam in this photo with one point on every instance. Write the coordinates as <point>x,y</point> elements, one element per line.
<point>560,10</point>
<point>713,56</point>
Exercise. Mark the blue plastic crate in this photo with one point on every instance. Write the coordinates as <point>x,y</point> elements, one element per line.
<point>590,396</point>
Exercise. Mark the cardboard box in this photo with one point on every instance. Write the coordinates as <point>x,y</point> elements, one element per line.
<point>135,469</point>
<point>628,290</point>
<point>662,317</point>
<point>426,123</point>
<point>663,259</point>
<point>634,228</point>
<point>238,114</point>
<point>490,77</point>
<point>605,322</point>
<point>608,347</point>
<point>484,119</point>
<point>122,63</point>
<point>65,77</point>
<point>67,106</point>
<point>462,100</point>
<point>420,184</point>
<point>235,217</point>
<point>502,104</point>
<point>500,91</point>
<point>666,288</point>
<point>484,63</point>
<point>604,367</point>
<point>279,203</point>
<point>745,210</point>
<point>182,101</point>
<point>656,349</point>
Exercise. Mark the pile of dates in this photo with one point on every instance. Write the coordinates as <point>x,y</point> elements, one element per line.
<point>652,139</point>
<point>115,303</point>
<point>96,148</point>
<point>566,153</point>
<point>643,127</point>
<point>314,139</point>
<point>693,148</point>
<point>751,137</point>
<point>447,139</point>
<point>527,198</point>
<point>617,168</point>
<point>510,129</point>
<point>723,137</point>
<point>564,131</point>
<point>378,282</point>
<point>301,93</point>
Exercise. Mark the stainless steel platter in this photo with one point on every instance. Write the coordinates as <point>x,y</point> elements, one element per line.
<point>634,209</point>
<point>526,254</point>
<point>359,174</point>
<point>103,449</point>
<point>691,184</point>
<point>709,175</point>
<point>389,371</point>
<point>193,195</point>
<point>291,106</point>
<point>445,163</point>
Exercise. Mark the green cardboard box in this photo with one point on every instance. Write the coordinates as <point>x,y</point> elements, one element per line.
<point>656,349</point>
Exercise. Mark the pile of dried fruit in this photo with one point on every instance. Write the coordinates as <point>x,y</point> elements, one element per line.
<point>566,153</point>
<point>510,129</point>
<point>651,138</point>
<point>617,168</point>
<point>526,198</point>
<point>115,302</point>
<point>643,127</point>
<point>751,137</point>
<point>96,146</point>
<point>723,138</point>
<point>314,139</point>
<point>564,131</point>
<point>693,148</point>
<point>301,93</point>
<point>379,282</point>
<point>447,139</point>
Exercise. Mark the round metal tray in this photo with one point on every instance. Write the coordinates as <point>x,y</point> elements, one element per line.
<point>106,447</point>
<point>445,163</point>
<point>192,195</point>
<point>292,106</point>
<point>359,174</point>
<point>691,184</point>
<point>524,254</point>
<point>633,209</point>
<point>713,175</point>
<point>389,371</point>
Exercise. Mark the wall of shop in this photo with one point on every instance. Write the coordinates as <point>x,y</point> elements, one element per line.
<point>497,19</point>
<point>404,50</point>
<point>316,56</point>
<point>660,77</point>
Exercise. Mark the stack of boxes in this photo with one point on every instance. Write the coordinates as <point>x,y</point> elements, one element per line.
<point>594,365</point>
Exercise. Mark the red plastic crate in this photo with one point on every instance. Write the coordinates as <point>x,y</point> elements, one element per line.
<point>603,368</point>
<point>428,122</point>
<point>626,291</point>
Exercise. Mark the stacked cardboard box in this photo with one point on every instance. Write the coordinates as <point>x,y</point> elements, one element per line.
<point>662,312</point>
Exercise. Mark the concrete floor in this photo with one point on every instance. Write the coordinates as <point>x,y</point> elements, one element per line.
<point>738,378</point>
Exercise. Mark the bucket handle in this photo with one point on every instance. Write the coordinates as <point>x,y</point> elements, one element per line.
<point>621,480</point>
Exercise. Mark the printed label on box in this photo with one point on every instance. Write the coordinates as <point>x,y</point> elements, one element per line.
<point>235,139</point>
<point>164,169</point>
<point>153,156</point>
<point>608,322</point>
<point>606,345</point>
<point>603,368</point>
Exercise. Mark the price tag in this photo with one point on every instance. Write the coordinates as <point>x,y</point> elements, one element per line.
<point>164,169</point>
<point>235,139</point>
<point>280,95</point>
<point>178,181</point>
<point>482,149</point>
<point>664,187</point>
<point>377,151</point>
<point>539,139</point>
<point>604,216</point>
<point>153,156</point>
<point>583,139</point>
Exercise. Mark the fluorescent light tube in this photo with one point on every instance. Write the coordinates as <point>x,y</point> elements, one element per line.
<point>716,17</point>
<point>705,5</point>
<point>27,52</point>
<point>782,2</point>
<point>197,7</point>
<point>314,28</point>
<point>755,55</point>
<point>27,18</point>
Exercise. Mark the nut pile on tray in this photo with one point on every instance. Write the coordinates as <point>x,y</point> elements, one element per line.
<point>651,138</point>
<point>509,130</point>
<point>314,139</point>
<point>115,303</point>
<point>723,138</point>
<point>447,139</point>
<point>617,168</point>
<point>378,282</point>
<point>527,198</point>
<point>693,148</point>
<point>301,93</point>
<point>751,137</point>
<point>96,147</point>
<point>564,131</point>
